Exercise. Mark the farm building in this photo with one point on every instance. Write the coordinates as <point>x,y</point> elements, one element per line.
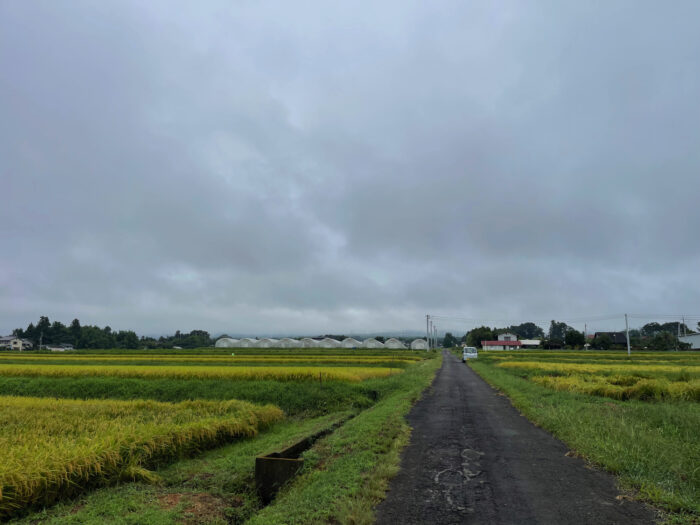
<point>329,343</point>
<point>501,345</point>
<point>308,342</point>
<point>507,337</point>
<point>349,342</point>
<point>267,343</point>
<point>372,343</point>
<point>15,343</point>
<point>692,339</point>
<point>530,343</point>
<point>394,344</point>
<point>226,342</point>
<point>288,342</point>
<point>419,344</point>
<point>247,342</point>
<point>617,338</point>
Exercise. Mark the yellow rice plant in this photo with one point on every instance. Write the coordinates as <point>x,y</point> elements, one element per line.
<point>53,448</point>
<point>594,368</point>
<point>277,373</point>
<point>337,359</point>
<point>624,387</point>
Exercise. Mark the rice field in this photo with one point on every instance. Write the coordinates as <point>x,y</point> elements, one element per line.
<point>241,373</point>
<point>646,377</point>
<point>109,417</point>
<point>55,447</point>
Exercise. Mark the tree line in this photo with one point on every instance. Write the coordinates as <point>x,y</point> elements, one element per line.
<point>46,332</point>
<point>651,336</point>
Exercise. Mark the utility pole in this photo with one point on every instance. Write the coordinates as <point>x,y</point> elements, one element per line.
<point>435,338</point>
<point>683,326</point>
<point>427,330</point>
<point>585,335</point>
<point>627,331</point>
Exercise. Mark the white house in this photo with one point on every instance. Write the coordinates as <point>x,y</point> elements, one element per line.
<point>507,337</point>
<point>419,344</point>
<point>394,344</point>
<point>372,343</point>
<point>15,343</point>
<point>693,339</point>
<point>349,342</point>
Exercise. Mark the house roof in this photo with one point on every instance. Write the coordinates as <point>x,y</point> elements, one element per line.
<point>501,343</point>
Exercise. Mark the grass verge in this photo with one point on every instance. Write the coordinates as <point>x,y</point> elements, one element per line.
<point>346,473</point>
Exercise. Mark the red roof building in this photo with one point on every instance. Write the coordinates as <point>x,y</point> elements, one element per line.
<point>501,345</point>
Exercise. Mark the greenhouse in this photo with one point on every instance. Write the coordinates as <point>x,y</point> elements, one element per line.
<point>349,342</point>
<point>226,342</point>
<point>307,342</point>
<point>372,343</point>
<point>329,343</point>
<point>419,344</point>
<point>247,342</point>
<point>288,342</point>
<point>268,343</point>
<point>394,344</point>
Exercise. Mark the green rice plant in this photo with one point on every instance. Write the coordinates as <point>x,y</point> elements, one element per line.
<point>53,448</point>
<point>278,373</point>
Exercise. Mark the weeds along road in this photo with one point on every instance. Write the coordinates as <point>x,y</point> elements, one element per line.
<point>474,459</point>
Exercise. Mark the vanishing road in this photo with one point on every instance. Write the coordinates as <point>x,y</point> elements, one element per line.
<point>474,459</point>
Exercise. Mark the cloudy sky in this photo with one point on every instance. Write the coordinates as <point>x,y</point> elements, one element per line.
<point>314,167</point>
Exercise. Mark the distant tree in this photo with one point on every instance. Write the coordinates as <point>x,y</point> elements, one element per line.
<point>75,330</point>
<point>449,340</point>
<point>525,331</point>
<point>379,338</point>
<point>557,330</point>
<point>574,338</point>
<point>482,333</point>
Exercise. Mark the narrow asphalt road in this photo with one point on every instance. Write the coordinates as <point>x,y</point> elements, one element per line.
<point>474,459</point>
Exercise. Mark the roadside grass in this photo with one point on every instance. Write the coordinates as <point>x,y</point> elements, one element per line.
<point>346,474</point>
<point>216,487</point>
<point>652,446</point>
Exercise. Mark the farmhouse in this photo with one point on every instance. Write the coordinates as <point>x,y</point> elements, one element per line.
<point>692,339</point>
<point>505,342</point>
<point>11,342</point>
<point>617,338</point>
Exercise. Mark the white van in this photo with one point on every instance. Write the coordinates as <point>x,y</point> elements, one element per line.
<point>469,352</point>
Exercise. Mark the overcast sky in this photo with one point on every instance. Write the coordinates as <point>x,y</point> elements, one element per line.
<point>314,167</point>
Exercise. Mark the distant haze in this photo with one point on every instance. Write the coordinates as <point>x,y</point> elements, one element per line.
<point>323,167</point>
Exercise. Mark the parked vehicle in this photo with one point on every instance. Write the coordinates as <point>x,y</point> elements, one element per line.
<point>469,352</point>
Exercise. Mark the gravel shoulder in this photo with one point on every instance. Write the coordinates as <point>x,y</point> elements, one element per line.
<point>474,459</point>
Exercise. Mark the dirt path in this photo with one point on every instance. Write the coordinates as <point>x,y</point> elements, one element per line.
<point>474,459</point>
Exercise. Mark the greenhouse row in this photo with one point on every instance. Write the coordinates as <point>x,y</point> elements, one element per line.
<point>308,342</point>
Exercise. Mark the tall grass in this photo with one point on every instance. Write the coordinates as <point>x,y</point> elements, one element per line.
<point>52,448</point>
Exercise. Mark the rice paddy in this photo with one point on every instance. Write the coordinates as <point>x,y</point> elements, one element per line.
<point>644,377</point>
<point>52,448</point>
<point>109,417</point>
<point>243,373</point>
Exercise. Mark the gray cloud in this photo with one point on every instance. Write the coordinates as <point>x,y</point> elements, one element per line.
<point>291,168</point>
